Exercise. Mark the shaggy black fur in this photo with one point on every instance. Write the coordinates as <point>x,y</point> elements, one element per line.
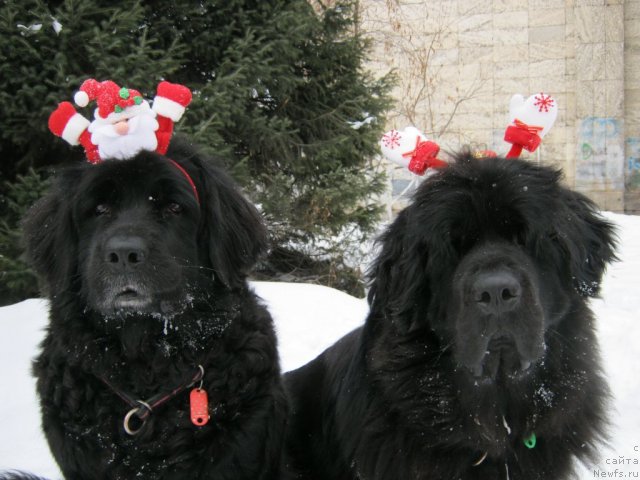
<point>479,335</point>
<point>146,284</point>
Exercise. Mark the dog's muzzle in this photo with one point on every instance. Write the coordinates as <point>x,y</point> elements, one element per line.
<point>499,322</point>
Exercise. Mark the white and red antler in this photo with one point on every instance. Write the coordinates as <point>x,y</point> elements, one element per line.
<point>411,149</point>
<point>530,120</point>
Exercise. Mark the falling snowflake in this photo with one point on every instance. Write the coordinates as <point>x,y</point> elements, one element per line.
<point>391,139</point>
<point>543,102</point>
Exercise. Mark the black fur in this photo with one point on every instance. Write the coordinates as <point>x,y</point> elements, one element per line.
<point>444,371</point>
<point>144,322</point>
<point>15,475</point>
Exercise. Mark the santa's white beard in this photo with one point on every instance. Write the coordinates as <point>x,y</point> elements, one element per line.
<point>141,136</point>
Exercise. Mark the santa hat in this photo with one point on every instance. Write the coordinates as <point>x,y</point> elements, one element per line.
<point>109,96</point>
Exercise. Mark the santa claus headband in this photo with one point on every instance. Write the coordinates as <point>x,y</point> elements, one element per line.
<point>117,106</point>
<point>529,121</point>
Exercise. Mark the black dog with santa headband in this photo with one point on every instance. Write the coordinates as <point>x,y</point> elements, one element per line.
<point>159,362</point>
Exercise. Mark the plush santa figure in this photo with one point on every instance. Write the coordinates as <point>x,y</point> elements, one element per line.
<point>530,120</point>
<point>411,149</point>
<point>124,122</point>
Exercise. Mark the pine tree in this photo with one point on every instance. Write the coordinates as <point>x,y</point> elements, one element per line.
<point>280,94</point>
<point>16,279</point>
<point>46,50</point>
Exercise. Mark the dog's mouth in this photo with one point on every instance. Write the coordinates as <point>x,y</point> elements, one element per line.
<point>132,298</point>
<point>501,359</point>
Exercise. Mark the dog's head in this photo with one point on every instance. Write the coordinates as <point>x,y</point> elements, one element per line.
<point>135,235</point>
<point>490,255</point>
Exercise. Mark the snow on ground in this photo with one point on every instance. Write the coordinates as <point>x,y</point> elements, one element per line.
<point>308,319</point>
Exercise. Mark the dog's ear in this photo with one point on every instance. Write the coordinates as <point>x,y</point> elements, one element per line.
<point>232,232</point>
<point>399,283</point>
<point>49,235</point>
<point>588,240</point>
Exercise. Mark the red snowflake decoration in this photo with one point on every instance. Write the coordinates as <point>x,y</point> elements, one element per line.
<point>391,139</point>
<point>543,102</point>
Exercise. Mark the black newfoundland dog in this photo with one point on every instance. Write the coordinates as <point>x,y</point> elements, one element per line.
<point>145,263</point>
<point>478,359</point>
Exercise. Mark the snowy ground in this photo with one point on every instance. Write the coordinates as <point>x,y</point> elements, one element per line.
<point>310,318</point>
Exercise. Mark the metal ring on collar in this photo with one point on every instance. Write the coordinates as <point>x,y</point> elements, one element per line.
<point>482,459</point>
<point>127,418</point>
<point>201,376</point>
<point>147,406</point>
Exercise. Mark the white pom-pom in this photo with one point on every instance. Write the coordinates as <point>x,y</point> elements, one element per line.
<point>81,98</point>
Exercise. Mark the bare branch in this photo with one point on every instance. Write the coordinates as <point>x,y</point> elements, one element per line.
<point>421,86</point>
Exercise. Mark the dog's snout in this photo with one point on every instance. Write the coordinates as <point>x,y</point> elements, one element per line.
<point>125,250</point>
<point>497,292</point>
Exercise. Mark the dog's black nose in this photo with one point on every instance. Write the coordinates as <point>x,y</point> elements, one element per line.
<point>125,251</point>
<point>497,292</point>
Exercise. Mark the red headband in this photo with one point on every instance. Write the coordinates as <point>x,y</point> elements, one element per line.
<point>189,179</point>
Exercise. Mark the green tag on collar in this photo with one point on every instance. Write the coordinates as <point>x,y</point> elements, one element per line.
<point>530,441</point>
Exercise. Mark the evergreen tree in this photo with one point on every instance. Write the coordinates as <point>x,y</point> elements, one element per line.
<point>16,279</point>
<point>280,94</point>
<point>47,49</point>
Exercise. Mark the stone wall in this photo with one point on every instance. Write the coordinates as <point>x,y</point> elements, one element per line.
<point>459,61</point>
<point>632,104</point>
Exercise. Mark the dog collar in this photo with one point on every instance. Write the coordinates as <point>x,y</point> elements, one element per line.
<point>188,177</point>
<point>142,409</point>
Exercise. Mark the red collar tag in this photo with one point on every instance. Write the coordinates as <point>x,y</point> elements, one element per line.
<point>199,407</point>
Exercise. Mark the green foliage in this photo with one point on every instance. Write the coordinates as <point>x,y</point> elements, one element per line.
<point>279,90</point>
<point>16,279</point>
<point>39,67</point>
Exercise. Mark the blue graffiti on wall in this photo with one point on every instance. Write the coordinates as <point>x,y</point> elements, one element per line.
<point>633,163</point>
<point>600,160</point>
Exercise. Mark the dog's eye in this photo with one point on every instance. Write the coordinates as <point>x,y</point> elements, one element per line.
<point>174,208</point>
<point>102,210</point>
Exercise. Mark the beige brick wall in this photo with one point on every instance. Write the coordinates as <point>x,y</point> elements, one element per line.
<point>631,19</point>
<point>459,61</point>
